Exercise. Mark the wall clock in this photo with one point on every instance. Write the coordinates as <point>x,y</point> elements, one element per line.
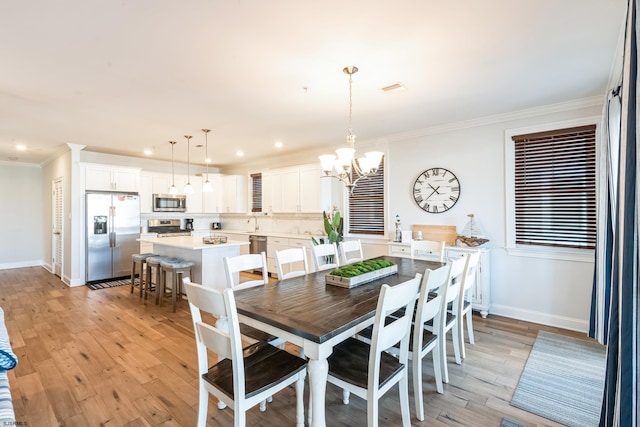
<point>436,190</point>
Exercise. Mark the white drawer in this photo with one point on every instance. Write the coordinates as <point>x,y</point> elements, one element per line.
<point>399,250</point>
<point>300,243</point>
<point>283,241</point>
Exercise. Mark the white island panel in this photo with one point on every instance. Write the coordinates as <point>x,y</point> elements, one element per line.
<point>208,258</point>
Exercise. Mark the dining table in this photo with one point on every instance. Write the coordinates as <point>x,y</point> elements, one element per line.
<point>316,316</point>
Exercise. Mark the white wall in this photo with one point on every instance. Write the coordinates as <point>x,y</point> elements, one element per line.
<point>21,216</point>
<point>547,291</point>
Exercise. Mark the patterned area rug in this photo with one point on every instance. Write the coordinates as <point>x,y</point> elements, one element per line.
<point>110,284</point>
<point>563,380</point>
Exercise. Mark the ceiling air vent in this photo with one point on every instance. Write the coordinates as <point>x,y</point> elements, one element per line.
<point>396,87</point>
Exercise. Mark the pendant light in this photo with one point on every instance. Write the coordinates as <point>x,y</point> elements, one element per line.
<point>188,189</point>
<point>172,189</point>
<point>348,169</point>
<point>206,187</point>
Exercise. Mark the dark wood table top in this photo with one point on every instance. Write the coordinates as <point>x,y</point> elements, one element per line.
<point>308,307</point>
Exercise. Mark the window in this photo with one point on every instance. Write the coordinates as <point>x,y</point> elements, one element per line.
<point>256,192</point>
<point>366,205</point>
<point>554,188</point>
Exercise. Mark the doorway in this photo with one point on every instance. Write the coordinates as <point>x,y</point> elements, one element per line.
<point>57,222</point>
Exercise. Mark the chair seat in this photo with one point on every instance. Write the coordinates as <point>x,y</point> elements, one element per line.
<point>142,257</point>
<point>350,362</point>
<point>450,319</point>
<point>176,264</point>
<point>264,364</point>
<point>256,334</point>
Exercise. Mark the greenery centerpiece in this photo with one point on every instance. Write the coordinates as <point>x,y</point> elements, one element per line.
<point>359,273</point>
<point>362,267</point>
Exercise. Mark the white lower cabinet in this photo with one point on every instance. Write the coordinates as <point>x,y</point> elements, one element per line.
<point>481,291</point>
<point>281,243</point>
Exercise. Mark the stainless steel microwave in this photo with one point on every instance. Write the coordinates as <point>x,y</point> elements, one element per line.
<point>169,203</point>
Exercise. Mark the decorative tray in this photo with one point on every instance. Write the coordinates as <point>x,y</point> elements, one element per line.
<point>351,282</point>
<point>214,240</point>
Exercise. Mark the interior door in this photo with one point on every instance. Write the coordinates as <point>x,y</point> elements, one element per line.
<point>57,227</point>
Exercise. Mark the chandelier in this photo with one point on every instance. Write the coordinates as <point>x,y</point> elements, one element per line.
<point>347,168</point>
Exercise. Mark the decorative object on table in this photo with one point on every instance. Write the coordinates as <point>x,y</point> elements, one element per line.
<point>471,234</point>
<point>398,238</point>
<point>361,272</point>
<point>436,190</point>
<point>214,240</point>
<point>436,233</point>
<point>348,169</point>
<point>333,226</point>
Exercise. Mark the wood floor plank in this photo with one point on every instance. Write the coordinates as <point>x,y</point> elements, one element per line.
<point>109,358</point>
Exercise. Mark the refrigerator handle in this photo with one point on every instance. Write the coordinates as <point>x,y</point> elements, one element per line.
<point>112,223</point>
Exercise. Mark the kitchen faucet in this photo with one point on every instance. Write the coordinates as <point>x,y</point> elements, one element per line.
<point>256,222</point>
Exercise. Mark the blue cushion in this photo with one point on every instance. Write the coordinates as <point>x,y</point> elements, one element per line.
<point>8,360</point>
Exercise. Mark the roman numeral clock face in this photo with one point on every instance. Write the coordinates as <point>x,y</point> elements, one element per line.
<point>436,190</point>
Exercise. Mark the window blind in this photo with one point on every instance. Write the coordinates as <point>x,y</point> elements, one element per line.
<point>366,204</point>
<point>256,192</point>
<point>555,188</point>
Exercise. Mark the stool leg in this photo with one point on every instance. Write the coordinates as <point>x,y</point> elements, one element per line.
<point>142,281</point>
<point>177,278</point>
<point>133,275</point>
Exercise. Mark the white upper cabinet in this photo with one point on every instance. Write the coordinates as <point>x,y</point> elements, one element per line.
<point>212,202</point>
<point>234,193</point>
<point>110,178</point>
<point>298,189</point>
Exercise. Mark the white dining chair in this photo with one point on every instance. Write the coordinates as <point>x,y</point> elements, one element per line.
<point>428,250</point>
<point>235,265</point>
<point>350,251</point>
<point>463,307</point>
<point>293,261</point>
<point>325,256</point>
<point>368,371</point>
<point>422,341</point>
<point>446,321</point>
<point>241,378</point>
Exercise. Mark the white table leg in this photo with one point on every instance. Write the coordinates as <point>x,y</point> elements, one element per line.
<point>318,370</point>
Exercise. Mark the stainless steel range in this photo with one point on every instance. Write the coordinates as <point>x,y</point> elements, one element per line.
<point>166,227</point>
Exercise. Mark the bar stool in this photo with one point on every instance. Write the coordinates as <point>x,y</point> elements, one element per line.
<point>177,268</point>
<point>139,259</point>
<point>153,268</point>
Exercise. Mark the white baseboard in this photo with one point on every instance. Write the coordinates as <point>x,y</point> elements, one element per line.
<point>21,264</point>
<point>570,323</point>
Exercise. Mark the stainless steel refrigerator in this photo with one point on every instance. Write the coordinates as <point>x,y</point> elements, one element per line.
<point>113,227</point>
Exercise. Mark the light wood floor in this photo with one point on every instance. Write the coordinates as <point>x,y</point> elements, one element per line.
<point>107,358</point>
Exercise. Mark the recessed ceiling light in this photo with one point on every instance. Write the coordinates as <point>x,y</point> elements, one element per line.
<point>278,144</point>
<point>21,147</point>
<point>239,153</point>
<point>396,87</point>
<point>148,152</point>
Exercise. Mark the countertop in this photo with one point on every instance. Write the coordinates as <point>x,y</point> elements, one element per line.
<point>189,242</point>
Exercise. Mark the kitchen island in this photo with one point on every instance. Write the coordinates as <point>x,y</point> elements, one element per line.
<point>209,267</point>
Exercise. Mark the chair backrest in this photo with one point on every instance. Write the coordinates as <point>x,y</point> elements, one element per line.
<point>468,277</point>
<point>325,256</point>
<point>288,259</point>
<point>223,338</point>
<point>428,308</point>
<point>387,334</point>
<point>427,249</point>
<point>454,282</point>
<point>351,251</point>
<point>245,262</point>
